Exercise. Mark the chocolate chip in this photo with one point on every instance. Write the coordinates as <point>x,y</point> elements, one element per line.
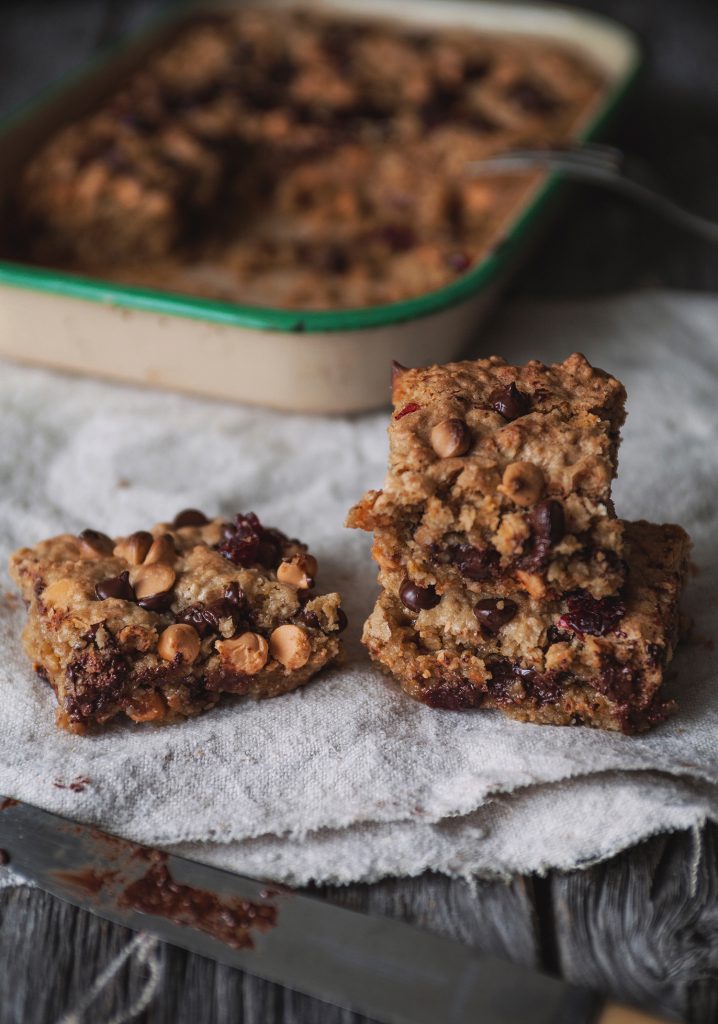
<point>509,402</point>
<point>309,618</point>
<point>189,517</point>
<point>417,598</point>
<point>342,620</point>
<point>493,613</point>
<point>532,99</point>
<point>397,371</point>
<point>555,636</point>
<point>475,564</point>
<point>4,858</point>
<point>98,542</point>
<point>235,594</point>
<point>117,587</point>
<point>548,522</point>
<point>587,614</point>
<point>156,602</point>
<point>399,237</point>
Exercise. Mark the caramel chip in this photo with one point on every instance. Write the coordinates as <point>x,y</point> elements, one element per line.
<point>162,549</point>
<point>523,483</point>
<point>133,549</point>
<point>179,639</point>
<point>450,438</point>
<point>290,645</point>
<point>149,580</point>
<point>298,571</point>
<point>247,653</point>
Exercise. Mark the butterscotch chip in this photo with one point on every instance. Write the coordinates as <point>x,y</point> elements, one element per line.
<point>94,544</point>
<point>523,483</point>
<point>133,549</point>
<point>247,653</point>
<point>181,640</point>
<point>162,549</point>
<point>298,571</point>
<point>150,707</point>
<point>290,646</point>
<point>450,438</point>
<point>148,580</point>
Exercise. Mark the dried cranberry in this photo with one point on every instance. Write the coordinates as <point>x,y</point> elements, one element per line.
<point>189,517</point>
<point>493,613</point>
<point>417,598</point>
<point>117,587</point>
<point>509,402</point>
<point>458,261</point>
<point>411,407</point>
<point>475,564</point>
<point>246,542</point>
<point>587,614</point>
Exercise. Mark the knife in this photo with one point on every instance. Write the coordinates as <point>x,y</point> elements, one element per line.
<point>385,969</point>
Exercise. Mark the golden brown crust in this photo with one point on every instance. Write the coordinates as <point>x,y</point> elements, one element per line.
<point>104,653</point>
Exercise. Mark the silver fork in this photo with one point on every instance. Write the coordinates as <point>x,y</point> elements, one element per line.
<point>599,165</point>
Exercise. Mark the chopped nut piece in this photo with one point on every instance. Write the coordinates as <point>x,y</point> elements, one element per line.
<point>247,653</point>
<point>298,572</point>
<point>133,549</point>
<point>450,438</point>
<point>162,549</point>
<point>181,640</point>
<point>149,580</point>
<point>290,646</point>
<point>523,483</point>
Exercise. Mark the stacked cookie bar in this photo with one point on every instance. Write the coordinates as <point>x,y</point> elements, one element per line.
<point>507,581</point>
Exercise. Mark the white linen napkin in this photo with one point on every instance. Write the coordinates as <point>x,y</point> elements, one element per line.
<point>348,779</point>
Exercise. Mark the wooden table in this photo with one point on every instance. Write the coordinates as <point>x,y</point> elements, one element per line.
<point>643,926</point>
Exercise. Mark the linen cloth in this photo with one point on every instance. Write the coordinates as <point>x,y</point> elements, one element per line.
<point>348,779</point>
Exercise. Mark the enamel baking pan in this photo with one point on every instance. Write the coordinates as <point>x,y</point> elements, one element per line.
<point>325,361</point>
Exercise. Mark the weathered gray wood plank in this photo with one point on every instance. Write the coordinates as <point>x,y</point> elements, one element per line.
<point>71,947</point>
<point>644,926</point>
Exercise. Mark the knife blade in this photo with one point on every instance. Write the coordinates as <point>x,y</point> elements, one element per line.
<point>385,969</point>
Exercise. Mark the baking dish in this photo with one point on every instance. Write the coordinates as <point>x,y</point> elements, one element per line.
<point>325,361</point>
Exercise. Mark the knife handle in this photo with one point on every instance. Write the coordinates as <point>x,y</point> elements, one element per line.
<point>615,1014</point>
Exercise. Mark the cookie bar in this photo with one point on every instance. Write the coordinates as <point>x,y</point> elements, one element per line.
<point>501,474</point>
<point>577,660</point>
<point>301,159</point>
<point>157,625</point>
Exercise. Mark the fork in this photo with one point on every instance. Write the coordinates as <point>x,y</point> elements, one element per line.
<point>599,165</point>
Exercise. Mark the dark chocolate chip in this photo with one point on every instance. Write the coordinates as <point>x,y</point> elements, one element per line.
<point>4,858</point>
<point>509,402</point>
<point>189,517</point>
<point>156,602</point>
<point>235,594</point>
<point>417,598</point>
<point>587,614</point>
<point>118,587</point>
<point>342,620</point>
<point>99,542</point>
<point>548,522</point>
<point>399,237</point>
<point>475,564</point>
<point>309,618</point>
<point>555,636</point>
<point>397,371</point>
<point>493,613</point>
